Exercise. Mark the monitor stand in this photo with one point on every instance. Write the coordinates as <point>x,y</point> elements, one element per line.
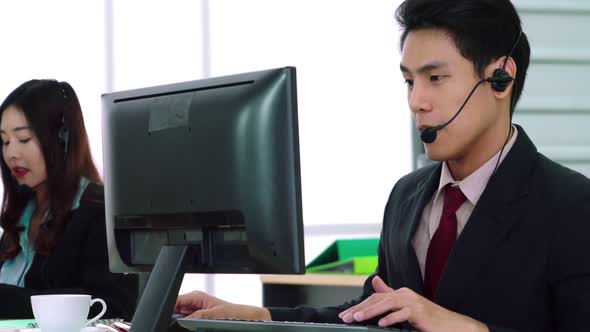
<point>154,311</point>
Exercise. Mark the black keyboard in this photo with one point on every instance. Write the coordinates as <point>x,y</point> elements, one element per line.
<point>234,325</point>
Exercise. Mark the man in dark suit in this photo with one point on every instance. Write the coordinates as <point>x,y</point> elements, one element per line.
<point>493,236</point>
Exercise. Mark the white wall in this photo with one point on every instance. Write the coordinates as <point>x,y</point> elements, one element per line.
<point>59,39</point>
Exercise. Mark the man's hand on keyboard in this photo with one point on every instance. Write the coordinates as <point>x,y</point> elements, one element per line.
<point>201,305</point>
<point>405,305</point>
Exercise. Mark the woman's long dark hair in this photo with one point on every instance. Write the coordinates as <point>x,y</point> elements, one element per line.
<point>53,113</point>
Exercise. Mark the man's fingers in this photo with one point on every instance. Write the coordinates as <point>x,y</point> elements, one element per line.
<point>387,304</point>
<point>213,313</point>
<point>183,311</point>
<point>347,315</point>
<point>395,317</point>
<point>352,309</point>
<point>190,299</point>
<point>380,286</point>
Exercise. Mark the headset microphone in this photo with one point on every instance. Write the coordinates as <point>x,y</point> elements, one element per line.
<point>428,135</point>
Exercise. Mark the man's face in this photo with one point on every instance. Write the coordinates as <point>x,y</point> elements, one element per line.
<point>439,80</point>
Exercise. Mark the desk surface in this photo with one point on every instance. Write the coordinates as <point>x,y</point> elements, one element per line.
<point>315,279</point>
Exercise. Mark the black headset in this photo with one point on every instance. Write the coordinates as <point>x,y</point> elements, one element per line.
<point>500,79</point>
<point>63,134</point>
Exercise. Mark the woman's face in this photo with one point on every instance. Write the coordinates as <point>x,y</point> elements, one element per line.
<point>21,149</point>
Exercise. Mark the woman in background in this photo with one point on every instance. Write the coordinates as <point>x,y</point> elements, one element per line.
<point>54,238</point>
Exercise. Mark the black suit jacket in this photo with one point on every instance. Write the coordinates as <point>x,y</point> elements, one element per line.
<point>78,264</point>
<point>521,262</point>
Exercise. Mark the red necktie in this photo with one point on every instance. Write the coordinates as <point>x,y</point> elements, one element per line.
<point>442,241</point>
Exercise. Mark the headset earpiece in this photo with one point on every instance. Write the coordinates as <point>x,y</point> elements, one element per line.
<point>63,135</point>
<point>500,80</point>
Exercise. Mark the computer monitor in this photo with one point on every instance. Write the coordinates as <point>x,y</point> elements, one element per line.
<point>203,176</point>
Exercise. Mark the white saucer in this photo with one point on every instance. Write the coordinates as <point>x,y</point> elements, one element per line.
<point>86,329</point>
<point>94,329</point>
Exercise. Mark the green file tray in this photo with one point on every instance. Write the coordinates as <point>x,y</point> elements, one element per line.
<point>352,256</point>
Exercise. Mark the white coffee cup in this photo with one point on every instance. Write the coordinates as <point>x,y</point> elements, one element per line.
<point>64,312</point>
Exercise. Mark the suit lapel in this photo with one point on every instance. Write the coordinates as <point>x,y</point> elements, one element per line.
<point>500,207</point>
<point>412,208</point>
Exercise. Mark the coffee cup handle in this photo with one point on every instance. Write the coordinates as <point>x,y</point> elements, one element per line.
<point>102,312</point>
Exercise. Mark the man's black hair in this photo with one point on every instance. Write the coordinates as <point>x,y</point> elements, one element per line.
<point>483,30</point>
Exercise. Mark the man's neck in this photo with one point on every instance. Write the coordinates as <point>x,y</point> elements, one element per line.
<point>479,153</point>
